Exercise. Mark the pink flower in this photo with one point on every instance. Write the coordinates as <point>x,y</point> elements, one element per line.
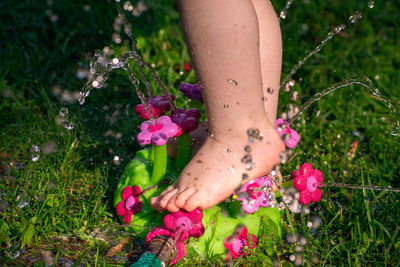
<point>307,181</point>
<point>187,120</point>
<point>157,104</point>
<point>157,132</point>
<point>186,224</point>
<point>192,91</point>
<point>130,204</point>
<point>256,196</point>
<point>291,137</point>
<point>236,244</point>
<point>162,230</point>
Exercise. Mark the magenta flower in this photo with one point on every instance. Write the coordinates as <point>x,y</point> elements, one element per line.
<point>162,230</point>
<point>291,136</point>
<point>307,181</point>
<point>157,104</point>
<point>257,197</point>
<point>157,132</point>
<point>186,224</point>
<point>130,204</point>
<point>192,91</point>
<point>236,244</point>
<point>187,120</point>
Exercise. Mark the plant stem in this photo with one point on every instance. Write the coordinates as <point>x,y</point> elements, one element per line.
<point>159,163</point>
<point>184,151</point>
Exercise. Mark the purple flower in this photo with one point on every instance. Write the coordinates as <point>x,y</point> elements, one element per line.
<point>157,132</point>
<point>187,120</point>
<point>291,137</point>
<point>191,90</point>
<point>257,197</point>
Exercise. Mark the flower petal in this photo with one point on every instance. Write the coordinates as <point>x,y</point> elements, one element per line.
<point>316,195</point>
<point>138,207</point>
<point>121,209</point>
<point>306,169</point>
<point>293,140</point>
<point>170,221</point>
<point>195,216</point>
<point>305,197</point>
<point>164,119</point>
<point>159,139</point>
<point>127,192</point>
<point>145,125</point>
<point>318,175</point>
<point>128,217</point>
<point>144,137</point>
<point>300,183</point>
<point>136,190</point>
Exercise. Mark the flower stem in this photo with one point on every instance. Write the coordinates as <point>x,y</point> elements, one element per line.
<point>184,151</point>
<point>159,163</point>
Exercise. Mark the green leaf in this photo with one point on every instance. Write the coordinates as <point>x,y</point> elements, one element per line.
<point>4,231</point>
<point>27,235</point>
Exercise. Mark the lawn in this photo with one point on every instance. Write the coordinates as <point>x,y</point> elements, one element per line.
<point>60,161</point>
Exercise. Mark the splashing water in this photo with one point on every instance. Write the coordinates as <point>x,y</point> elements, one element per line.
<point>356,16</point>
<point>283,13</point>
<point>100,67</point>
<point>62,119</point>
<point>364,81</point>
<point>371,4</point>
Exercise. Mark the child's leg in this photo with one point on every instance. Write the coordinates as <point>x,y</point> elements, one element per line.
<point>270,55</point>
<point>223,41</point>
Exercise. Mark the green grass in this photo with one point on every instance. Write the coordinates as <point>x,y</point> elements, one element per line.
<point>69,216</point>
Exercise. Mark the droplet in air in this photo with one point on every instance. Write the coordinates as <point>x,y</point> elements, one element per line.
<point>282,15</point>
<point>396,129</point>
<point>62,119</point>
<point>356,16</point>
<point>371,4</point>
<point>35,153</point>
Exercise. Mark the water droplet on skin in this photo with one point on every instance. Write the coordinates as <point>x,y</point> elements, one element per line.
<point>233,82</point>
<point>229,150</point>
<point>270,90</point>
<point>226,106</point>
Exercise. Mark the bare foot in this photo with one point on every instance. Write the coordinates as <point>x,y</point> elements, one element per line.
<point>217,169</point>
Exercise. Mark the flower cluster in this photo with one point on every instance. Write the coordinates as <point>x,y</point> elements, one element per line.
<point>290,136</point>
<point>256,193</point>
<point>307,181</point>
<point>238,243</point>
<point>130,204</point>
<point>180,226</point>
